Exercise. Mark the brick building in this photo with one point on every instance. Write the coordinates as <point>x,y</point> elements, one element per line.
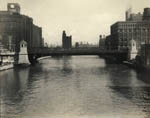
<point>15,27</point>
<point>123,31</point>
<point>132,16</point>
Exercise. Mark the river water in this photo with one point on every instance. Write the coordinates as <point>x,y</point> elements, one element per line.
<point>74,87</point>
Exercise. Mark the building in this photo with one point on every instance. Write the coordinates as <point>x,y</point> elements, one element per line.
<point>77,45</point>
<point>102,40</point>
<point>144,55</point>
<point>15,27</point>
<point>108,42</point>
<point>37,40</point>
<point>146,14</point>
<point>124,31</point>
<point>132,16</point>
<point>85,45</point>
<point>66,41</point>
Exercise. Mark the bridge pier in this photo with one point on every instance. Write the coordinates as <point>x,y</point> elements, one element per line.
<point>23,54</point>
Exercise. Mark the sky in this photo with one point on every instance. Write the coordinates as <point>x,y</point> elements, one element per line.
<point>85,20</point>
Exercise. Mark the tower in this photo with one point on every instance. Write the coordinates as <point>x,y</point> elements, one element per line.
<point>23,54</point>
<point>13,8</point>
<point>132,50</point>
<point>63,39</point>
<point>128,14</point>
<point>146,14</point>
<point>66,41</point>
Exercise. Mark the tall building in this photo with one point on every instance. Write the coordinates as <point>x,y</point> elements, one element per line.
<point>128,14</point>
<point>37,40</point>
<point>66,41</point>
<point>132,16</point>
<point>124,31</point>
<point>15,27</point>
<point>146,14</point>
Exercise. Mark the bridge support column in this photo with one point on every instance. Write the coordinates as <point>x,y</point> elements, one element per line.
<point>23,54</point>
<point>132,50</point>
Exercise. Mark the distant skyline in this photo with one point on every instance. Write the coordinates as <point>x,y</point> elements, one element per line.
<point>85,20</point>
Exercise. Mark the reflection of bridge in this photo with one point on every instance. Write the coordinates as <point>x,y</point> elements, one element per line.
<point>35,53</point>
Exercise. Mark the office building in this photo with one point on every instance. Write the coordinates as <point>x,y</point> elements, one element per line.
<point>124,31</point>
<point>15,27</point>
<point>66,41</point>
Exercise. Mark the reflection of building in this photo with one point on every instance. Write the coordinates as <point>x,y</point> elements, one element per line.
<point>15,27</point>
<point>66,41</point>
<point>138,30</point>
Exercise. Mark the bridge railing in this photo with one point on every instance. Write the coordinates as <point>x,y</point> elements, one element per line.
<point>72,50</point>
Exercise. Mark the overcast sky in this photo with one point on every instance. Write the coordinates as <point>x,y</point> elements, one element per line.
<point>85,20</point>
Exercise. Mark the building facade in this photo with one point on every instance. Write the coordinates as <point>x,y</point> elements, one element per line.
<point>108,42</point>
<point>37,40</point>
<point>66,41</point>
<point>102,40</point>
<point>132,16</point>
<point>124,31</point>
<point>15,27</point>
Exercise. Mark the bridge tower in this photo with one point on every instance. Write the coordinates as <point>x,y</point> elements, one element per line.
<point>132,53</point>
<point>23,54</point>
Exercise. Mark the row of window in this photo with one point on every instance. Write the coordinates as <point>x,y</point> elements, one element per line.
<point>134,25</point>
<point>135,30</point>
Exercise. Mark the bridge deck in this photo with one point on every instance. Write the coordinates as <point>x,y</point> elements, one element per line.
<point>61,52</point>
<point>55,52</point>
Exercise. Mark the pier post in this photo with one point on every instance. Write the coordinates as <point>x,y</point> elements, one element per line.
<point>132,50</point>
<point>23,54</point>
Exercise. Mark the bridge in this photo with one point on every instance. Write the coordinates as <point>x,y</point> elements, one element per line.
<point>35,53</point>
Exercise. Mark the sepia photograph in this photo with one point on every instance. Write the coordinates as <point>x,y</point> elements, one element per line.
<point>74,58</point>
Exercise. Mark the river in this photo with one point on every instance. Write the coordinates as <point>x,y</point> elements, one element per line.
<point>74,87</point>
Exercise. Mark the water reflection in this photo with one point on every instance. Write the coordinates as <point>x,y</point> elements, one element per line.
<point>79,87</point>
<point>67,66</point>
<point>13,90</point>
<point>129,84</point>
<point>16,84</point>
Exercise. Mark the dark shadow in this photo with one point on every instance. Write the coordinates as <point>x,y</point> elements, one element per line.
<point>144,76</point>
<point>122,85</point>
